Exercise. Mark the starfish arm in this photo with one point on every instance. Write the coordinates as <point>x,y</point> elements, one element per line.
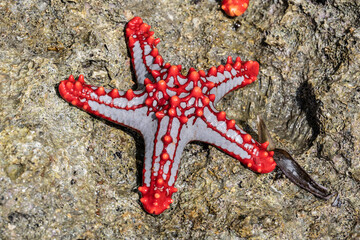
<point>145,57</point>
<point>230,77</point>
<point>163,150</point>
<point>214,128</point>
<point>124,108</point>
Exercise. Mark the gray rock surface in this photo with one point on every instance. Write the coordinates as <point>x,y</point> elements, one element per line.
<point>67,175</point>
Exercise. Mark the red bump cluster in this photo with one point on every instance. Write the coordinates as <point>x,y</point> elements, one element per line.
<point>264,161</point>
<point>136,26</point>
<point>159,98</point>
<point>157,201</point>
<point>163,104</point>
<point>234,8</point>
<point>250,70</point>
<point>72,90</point>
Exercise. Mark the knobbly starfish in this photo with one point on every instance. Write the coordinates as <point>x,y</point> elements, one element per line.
<point>170,110</point>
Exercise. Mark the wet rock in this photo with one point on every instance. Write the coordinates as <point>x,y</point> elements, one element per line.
<point>76,185</point>
<point>14,171</point>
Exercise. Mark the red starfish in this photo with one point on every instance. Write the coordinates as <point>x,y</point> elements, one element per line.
<point>170,111</point>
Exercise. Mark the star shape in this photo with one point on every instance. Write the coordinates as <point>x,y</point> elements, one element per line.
<point>171,110</point>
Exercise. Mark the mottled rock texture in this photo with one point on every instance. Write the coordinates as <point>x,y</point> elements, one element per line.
<point>67,175</point>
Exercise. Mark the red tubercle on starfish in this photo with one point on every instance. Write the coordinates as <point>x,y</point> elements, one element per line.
<point>114,93</point>
<point>247,137</point>
<point>221,116</point>
<point>212,71</point>
<point>165,156</point>
<point>193,76</point>
<point>154,52</point>
<point>100,91</point>
<point>234,8</point>
<point>167,139</point>
<point>129,94</point>
<point>159,60</point>
<point>231,123</point>
<point>175,101</point>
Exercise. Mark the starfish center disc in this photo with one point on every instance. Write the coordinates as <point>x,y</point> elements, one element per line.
<point>182,101</point>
